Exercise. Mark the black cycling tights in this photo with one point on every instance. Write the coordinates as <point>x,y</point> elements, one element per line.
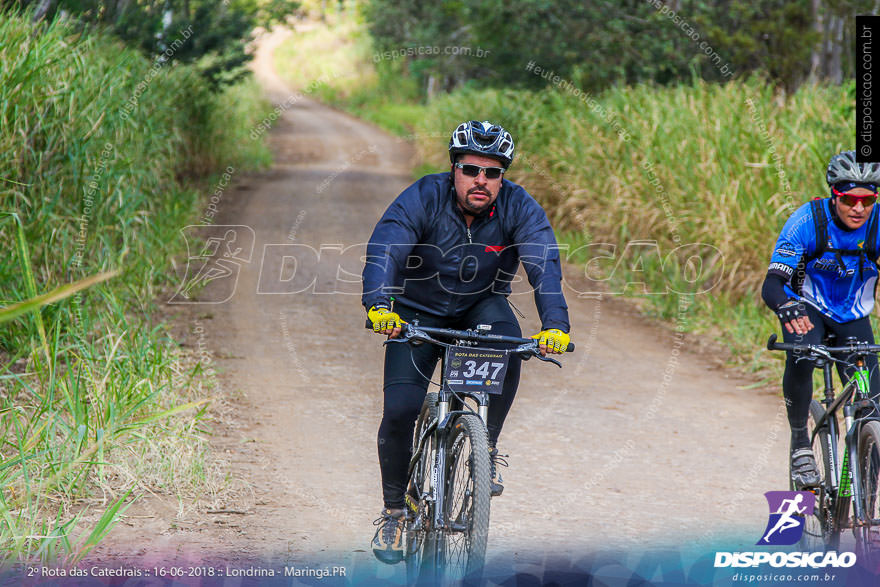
<point>406,369</point>
<point>797,383</point>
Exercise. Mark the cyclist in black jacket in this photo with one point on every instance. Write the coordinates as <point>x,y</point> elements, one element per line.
<point>445,252</point>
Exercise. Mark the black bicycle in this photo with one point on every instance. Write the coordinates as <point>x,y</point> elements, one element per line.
<point>849,483</point>
<point>448,491</point>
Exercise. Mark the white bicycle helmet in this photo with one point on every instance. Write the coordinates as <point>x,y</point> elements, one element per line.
<point>844,168</point>
<point>482,138</point>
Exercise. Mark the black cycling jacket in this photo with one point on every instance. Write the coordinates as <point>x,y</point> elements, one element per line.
<point>422,253</point>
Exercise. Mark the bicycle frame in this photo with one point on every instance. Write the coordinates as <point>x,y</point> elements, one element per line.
<point>845,479</point>
<point>526,348</point>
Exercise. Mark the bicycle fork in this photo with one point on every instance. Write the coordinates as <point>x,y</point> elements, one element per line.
<point>846,475</point>
<point>440,469</point>
<point>850,477</point>
<point>438,477</point>
<point>853,479</point>
<point>847,494</point>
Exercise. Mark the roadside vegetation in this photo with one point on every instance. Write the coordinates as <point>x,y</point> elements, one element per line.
<point>657,190</point>
<point>107,155</point>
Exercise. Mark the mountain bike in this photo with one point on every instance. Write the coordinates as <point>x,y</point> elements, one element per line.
<point>847,493</point>
<point>448,489</point>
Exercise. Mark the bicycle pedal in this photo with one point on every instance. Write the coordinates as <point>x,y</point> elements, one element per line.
<point>811,488</point>
<point>411,503</point>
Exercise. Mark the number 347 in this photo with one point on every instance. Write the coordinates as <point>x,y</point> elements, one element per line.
<point>471,369</point>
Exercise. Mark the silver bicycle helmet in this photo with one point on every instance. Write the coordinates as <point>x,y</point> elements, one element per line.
<point>482,138</point>
<point>844,168</point>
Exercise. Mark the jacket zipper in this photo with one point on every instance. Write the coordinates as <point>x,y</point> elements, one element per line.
<point>467,227</point>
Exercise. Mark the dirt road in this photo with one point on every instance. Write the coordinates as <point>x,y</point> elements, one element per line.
<point>638,440</point>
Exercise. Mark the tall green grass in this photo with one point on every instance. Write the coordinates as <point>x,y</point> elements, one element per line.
<point>721,165</point>
<point>105,155</point>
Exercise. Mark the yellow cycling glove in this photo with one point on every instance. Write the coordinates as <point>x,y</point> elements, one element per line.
<point>556,340</point>
<point>383,319</point>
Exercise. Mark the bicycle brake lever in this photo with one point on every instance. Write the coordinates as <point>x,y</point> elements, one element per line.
<point>524,351</point>
<point>549,360</point>
<point>404,337</point>
<point>413,336</point>
<point>529,350</point>
<point>818,352</point>
<point>822,353</point>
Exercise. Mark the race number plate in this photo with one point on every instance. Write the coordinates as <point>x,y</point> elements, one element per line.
<point>469,369</point>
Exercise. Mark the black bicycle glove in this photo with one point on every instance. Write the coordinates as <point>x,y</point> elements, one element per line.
<point>792,309</point>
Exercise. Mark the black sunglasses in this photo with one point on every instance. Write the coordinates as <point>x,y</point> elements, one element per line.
<point>474,170</point>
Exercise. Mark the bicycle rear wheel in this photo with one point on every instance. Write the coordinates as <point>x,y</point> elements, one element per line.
<point>462,547</point>
<point>819,531</point>
<point>869,467</point>
<point>420,546</point>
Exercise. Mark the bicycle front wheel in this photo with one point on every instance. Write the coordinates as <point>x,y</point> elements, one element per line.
<point>869,467</point>
<point>463,549</point>
<point>819,531</point>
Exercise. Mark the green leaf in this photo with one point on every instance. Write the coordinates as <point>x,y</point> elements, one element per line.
<point>59,293</point>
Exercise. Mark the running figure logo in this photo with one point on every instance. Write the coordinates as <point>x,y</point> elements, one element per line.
<point>220,252</point>
<point>787,512</point>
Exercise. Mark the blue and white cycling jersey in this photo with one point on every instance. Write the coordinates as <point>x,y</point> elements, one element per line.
<point>840,292</point>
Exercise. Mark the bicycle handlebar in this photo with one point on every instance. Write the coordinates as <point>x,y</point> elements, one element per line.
<point>856,347</point>
<point>475,336</point>
<point>471,335</point>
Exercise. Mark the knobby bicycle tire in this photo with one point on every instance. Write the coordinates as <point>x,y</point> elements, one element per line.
<point>461,551</point>
<point>820,532</point>
<point>419,544</point>
<point>869,467</point>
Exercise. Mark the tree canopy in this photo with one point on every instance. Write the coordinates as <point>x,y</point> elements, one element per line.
<point>599,43</point>
<point>209,33</point>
